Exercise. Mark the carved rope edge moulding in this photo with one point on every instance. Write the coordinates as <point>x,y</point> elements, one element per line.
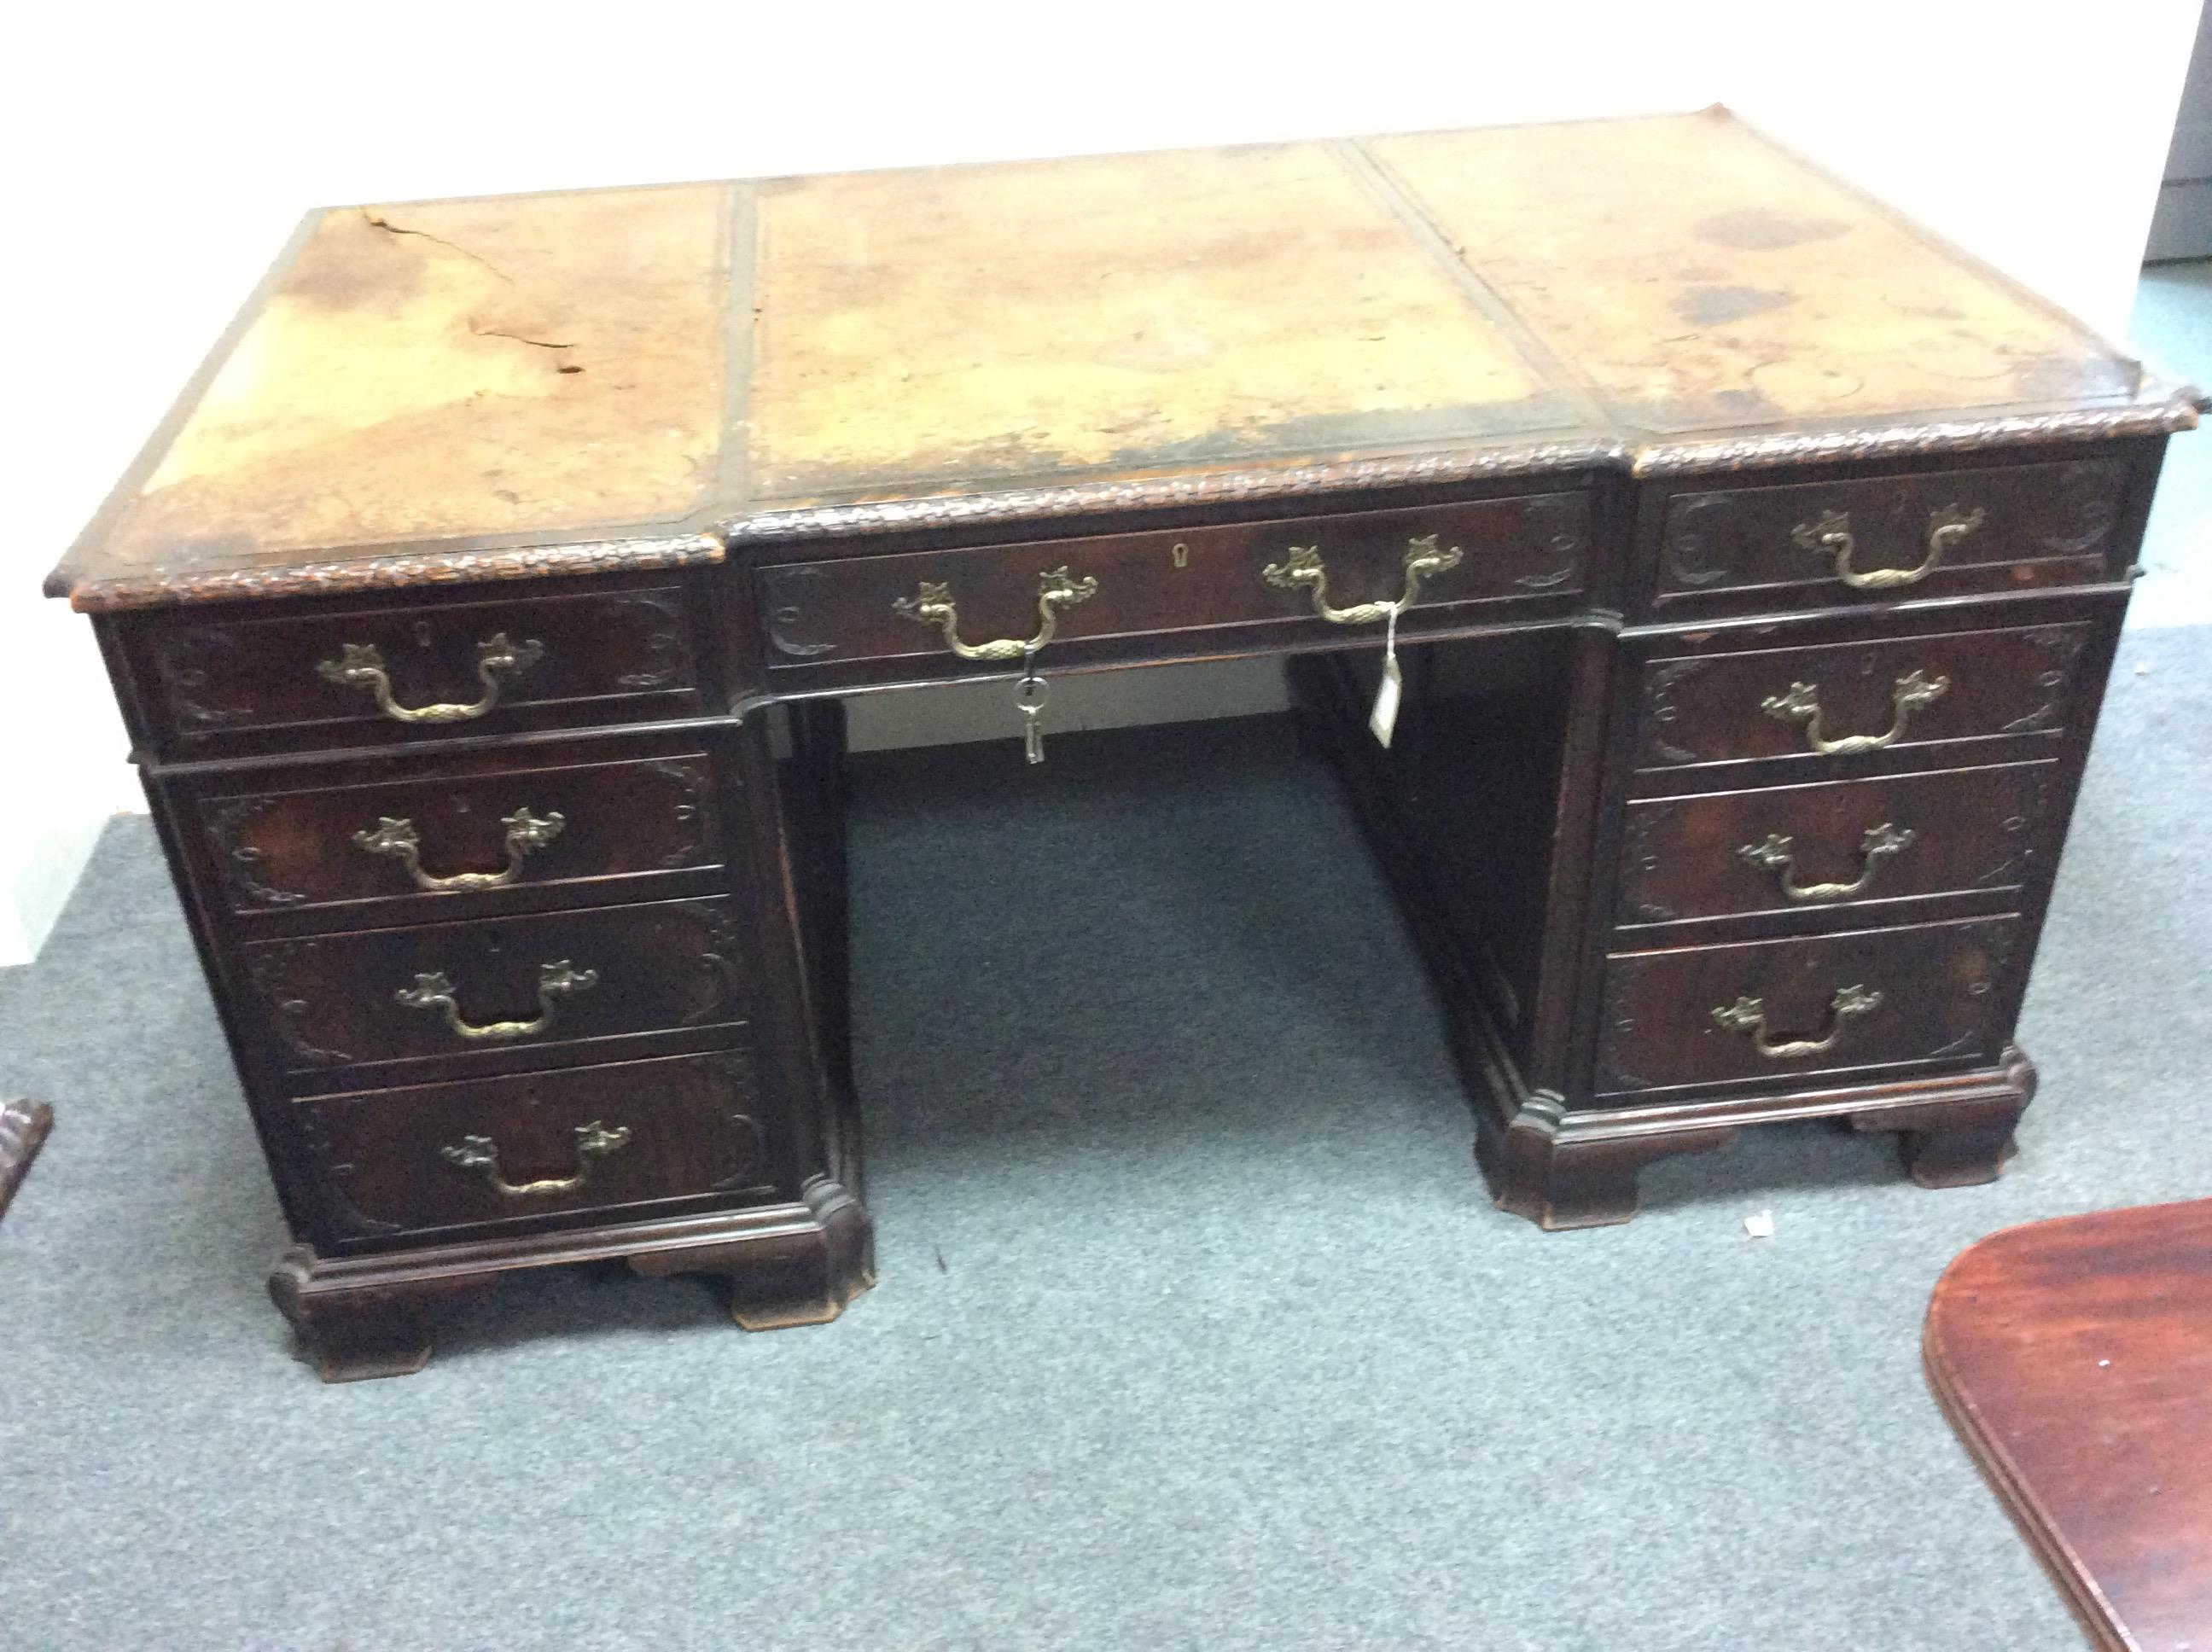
<point>165,587</point>
<point>2178,412</point>
<point>169,586</point>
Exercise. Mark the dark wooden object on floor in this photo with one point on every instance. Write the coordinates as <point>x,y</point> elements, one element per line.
<point>482,615</point>
<point>2074,1359</point>
<point>24,1128</point>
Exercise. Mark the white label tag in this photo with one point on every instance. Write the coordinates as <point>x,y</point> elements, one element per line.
<point>1382,721</point>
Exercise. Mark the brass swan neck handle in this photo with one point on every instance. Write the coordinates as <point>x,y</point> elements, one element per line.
<point>361,665</point>
<point>1302,567</point>
<point>1775,853</point>
<point>933,604</point>
<point>593,1140</point>
<point>1801,703</point>
<point>399,839</point>
<point>1829,534</point>
<point>435,992</point>
<point>1747,1015</point>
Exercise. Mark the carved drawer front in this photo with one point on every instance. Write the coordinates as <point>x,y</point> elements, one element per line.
<point>1839,845</point>
<point>991,600</point>
<point>1777,1010</point>
<point>463,988</point>
<point>2010,528</point>
<point>534,1149</point>
<point>1842,699</point>
<point>418,671</point>
<point>427,842</point>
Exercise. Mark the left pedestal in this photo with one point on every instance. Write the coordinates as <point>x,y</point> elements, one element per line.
<point>527,956</point>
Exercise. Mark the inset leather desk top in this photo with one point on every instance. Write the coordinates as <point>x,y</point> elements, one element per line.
<point>638,378</point>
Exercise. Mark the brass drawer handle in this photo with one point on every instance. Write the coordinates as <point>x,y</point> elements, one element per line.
<point>1748,1015</point>
<point>361,665</point>
<point>932,605</point>
<point>1773,854</point>
<point>399,839</point>
<point>555,980</point>
<point>1830,534</point>
<point>1912,692</point>
<point>1302,567</point>
<point>593,1140</point>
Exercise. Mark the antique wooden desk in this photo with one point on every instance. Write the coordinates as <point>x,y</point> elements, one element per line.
<point>482,614</point>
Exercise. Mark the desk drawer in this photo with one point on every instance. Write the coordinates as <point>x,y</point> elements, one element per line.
<point>1838,844</point>
<point>869,608</point>
<point>1813,705</point>
<point>2029,525</point>
<point>1779,1010</point>
<point>462,830</point>
<point>469,988</point>
<point>530,1150</point>
<point>416,671</point>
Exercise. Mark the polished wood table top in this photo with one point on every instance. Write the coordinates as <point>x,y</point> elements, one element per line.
<point>2074,1359</point>
<point>644,377</point>
<point>24,1128</point>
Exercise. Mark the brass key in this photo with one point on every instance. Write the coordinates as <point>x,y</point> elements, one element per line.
<point>1029,699</point>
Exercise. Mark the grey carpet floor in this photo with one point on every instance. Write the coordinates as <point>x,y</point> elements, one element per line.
<point>1194,1329</point>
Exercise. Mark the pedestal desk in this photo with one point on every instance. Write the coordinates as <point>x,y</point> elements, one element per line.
<point>1752,564</point>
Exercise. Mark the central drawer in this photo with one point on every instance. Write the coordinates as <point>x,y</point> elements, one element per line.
<point>472,989</point>
<point>859,608</point>
<point>530,1150</point>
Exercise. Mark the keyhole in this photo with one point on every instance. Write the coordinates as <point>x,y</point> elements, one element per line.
<point>422,634</point>
<point>1182,554</point>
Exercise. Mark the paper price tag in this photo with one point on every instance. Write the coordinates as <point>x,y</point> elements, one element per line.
<point>1382,721</point>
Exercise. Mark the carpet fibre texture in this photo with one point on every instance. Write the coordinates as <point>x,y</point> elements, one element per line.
<point>1196,1329</point>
